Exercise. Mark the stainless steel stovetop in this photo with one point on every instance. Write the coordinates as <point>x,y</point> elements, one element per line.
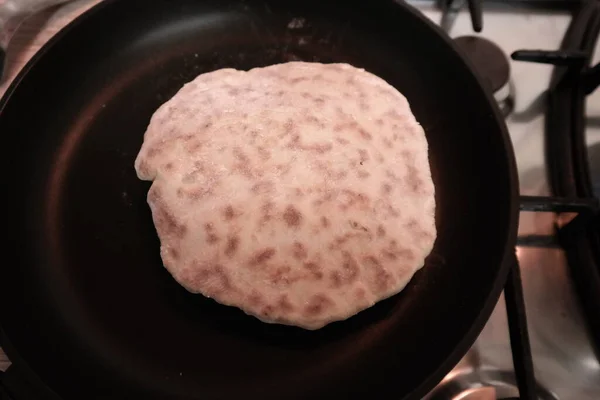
<point>565,365</point>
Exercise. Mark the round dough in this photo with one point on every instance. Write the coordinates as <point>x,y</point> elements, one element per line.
<point>299,192</point>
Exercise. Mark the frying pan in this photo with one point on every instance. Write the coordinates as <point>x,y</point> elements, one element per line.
<point>86,305</point>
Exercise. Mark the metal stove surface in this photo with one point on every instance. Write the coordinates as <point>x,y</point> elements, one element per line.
<point>566,367</point>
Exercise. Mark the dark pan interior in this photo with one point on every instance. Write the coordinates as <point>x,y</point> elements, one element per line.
<point>86,302</point>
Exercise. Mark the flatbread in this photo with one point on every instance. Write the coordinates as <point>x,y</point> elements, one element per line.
<point>299,192</point>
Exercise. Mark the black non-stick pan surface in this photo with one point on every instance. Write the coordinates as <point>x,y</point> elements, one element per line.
<point>85,301</point>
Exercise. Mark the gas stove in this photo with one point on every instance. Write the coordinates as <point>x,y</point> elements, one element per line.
<point>562,353</point>
<point>565,365</point>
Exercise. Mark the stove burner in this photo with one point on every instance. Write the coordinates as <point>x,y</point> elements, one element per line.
<point>483,384</point>
<point>492,65</point>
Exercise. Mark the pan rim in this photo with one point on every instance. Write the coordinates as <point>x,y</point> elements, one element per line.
<point>513,223</point>
<point>513,208</point>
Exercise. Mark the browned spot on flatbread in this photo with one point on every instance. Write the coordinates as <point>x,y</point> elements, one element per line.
<point>382,279</point>
<point>319,101</point>
<point>262,256</point>
<point>143,167</point>
<point>283,276</point>
<point>341,141</point>
<point>363,174</point>
<point>412,224</point>
<point>267,311</point>
<point>211,236</point>
<point>401,252</point>
<point>299,251</point>
<point>412,179</point>
<point>358,226</point>
<point>154,151</point>
<point>200,192</point>
<point>398,138</point>
<point>229,213</point>
<point>213,278</point>
<point>255,299</point>
<point>393,114</point>
<point>253,136</point>
<point>364,134</point>
<point>240,155</point>
<point>297,80</point>
<point>311,119</point>
<point>386,188</point>
<point>315,270</point>
<point>280,275</point>
<point>193,147</point>
<point>363,156</point>
<point>190,177</point>
<point>346,126</point>
<point>233,243</point>
<point>387,208</point>
<point>360,293</point>
<point>263,187</point>
<point>350,268</point>
<point>325,222</point>
<point>292,217</point>
<point>284,303</point>
<point>267,212</point>
<point>318,304</point>
<point>351,199</point>
<point>392,175</point>
<point>283,169</point>
<point>263,153</point>
<point>389,254</point>
<point>164,220</point>
<point>336,279</point>
<point>169,166</point>
<point>340,240</point>
<point>326,196</point>
<point>243,164</point>
<point>320,148</point>
<point>380,231</point>
<point>339,175</point>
